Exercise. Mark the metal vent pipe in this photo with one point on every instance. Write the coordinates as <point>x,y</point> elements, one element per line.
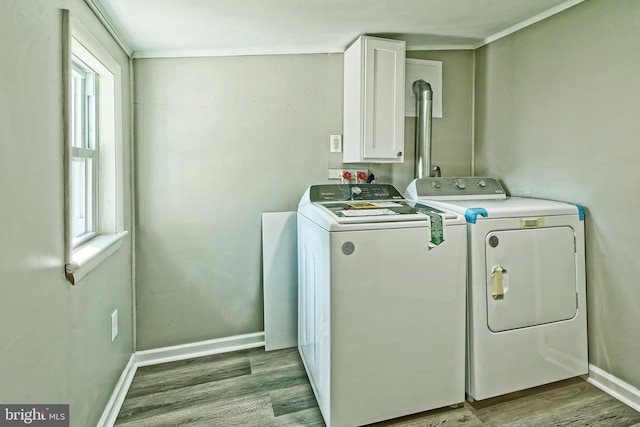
<point>424,104</point>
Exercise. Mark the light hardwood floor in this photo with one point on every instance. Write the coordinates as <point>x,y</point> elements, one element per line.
<point>258,388</point>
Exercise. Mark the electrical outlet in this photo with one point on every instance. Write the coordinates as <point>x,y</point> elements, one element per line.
<point>114,325</point>
<point>335,144</point>
<point>335,173</point>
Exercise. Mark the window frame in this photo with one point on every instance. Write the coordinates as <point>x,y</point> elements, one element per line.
<point>83,257</point>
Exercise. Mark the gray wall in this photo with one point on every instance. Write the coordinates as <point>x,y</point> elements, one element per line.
<point>55,338</point>
<point>557,116</point>
<point>221,140</point>
<point>451,134</point>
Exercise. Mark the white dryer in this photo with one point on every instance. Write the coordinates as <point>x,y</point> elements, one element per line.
<point>381,303</point>
<point>526,304</point>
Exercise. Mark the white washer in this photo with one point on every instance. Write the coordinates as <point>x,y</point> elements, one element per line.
<point>381,303</point>
<point>526,304</point>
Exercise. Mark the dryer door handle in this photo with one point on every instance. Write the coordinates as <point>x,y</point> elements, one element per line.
<point>497,287</point>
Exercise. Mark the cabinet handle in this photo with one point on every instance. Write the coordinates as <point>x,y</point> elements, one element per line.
<point>399,153</point>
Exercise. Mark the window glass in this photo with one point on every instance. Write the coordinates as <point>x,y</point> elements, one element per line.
<point>84,156</point>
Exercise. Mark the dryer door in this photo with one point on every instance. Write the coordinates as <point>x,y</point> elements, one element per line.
<point>530,277</point>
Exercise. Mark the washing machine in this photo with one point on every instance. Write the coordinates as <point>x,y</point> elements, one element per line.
<point>526,307</point>
<point>381,303</point>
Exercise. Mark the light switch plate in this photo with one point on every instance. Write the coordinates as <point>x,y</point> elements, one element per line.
<point>335,144</point>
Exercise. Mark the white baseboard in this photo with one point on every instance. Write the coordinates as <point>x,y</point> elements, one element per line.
<point>114,404</point>
<point>171,354</point>
<point>198,349</point>
<point>614,386</point>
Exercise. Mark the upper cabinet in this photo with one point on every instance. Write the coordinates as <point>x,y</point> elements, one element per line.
<point>374,70</point>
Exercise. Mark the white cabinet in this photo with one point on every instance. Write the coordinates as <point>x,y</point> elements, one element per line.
<point>374,71</point>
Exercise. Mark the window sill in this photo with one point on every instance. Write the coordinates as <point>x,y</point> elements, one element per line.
<point>90,255</point>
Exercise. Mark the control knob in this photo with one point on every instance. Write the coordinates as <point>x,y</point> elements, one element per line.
<point>435,184</point>
<point>459,184</point>
<point>482,183</point>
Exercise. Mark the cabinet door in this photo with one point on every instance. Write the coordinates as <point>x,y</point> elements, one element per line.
<point>384,100</point>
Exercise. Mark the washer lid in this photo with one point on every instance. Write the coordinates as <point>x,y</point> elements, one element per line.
<point>334,205</point>
<point>381,211</point>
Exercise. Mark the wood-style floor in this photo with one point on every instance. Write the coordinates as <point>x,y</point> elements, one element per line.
<point>258,388</point>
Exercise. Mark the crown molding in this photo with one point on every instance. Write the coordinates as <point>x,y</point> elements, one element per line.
<point>100,13</point>
<point>527,22</point>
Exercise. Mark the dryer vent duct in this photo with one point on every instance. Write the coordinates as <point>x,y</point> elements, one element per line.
<point>424,109</point>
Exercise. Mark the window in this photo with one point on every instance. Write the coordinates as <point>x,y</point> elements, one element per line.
<point>94,220</point>
<point>84,153</point>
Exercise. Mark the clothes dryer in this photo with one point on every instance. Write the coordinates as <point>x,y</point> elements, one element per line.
<point>526,304</point>
<point>381,303</point>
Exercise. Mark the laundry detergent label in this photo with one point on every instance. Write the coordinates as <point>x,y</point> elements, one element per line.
<point>437,231</point>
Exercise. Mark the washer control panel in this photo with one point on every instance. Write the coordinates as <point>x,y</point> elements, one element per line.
<point>336,192</point>
<point>458,188</point>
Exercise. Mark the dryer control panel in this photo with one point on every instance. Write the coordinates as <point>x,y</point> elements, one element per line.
<point>458,188</point>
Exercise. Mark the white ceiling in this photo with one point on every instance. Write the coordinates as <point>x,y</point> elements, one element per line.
<point>161,28</point>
